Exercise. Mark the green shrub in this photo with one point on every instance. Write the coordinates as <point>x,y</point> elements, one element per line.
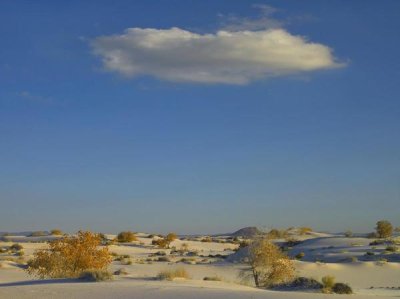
<point>342,288</point>
<point>95,275</point>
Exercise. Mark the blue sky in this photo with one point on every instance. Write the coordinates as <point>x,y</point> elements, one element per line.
<point>144,143</point>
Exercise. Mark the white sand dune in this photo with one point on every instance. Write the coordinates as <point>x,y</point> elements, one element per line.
<point>140,281</point>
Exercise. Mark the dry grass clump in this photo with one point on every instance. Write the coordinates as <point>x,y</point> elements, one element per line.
<point>173,274</point>
<point>126,237</point>
<point>95,275</point>
<point>69,256</point>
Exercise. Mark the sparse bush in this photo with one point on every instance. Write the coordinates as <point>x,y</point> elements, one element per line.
<point>384,229</point>
<point>206,239</point>
<point>304,230</point>
<point>300,255</point>
<point>161,243</point>
<point>342,288</point>
<point>38,234</point>
<point>269,265</point>
<point>348,234</point>
<point>328,282</point>
<point>69,256</point>
<point>56,232</point>
<point>212,278</point>
<point>95,275</point>
<point>16,247</point>
<point>172,274</point>
<point>369,253</point>
<point>171,237</point>
<point>277,234</point>
<point>391,248</point>
<point>126,237</point>
<point>303,283</point>
<point>163,259</point>
<point>19,253</point>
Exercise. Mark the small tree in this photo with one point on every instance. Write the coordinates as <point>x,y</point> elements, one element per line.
<point>384,229</point>
<point>69,256</point>
<point>269,265</point>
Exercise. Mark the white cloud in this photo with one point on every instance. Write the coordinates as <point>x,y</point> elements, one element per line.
<point>224,57</point>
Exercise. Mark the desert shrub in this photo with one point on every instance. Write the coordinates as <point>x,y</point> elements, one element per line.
<point>300,255</point>
<point>269,265</point>
<point>172,274</point>
<point>243,244</point>
<point>206,240</point>
<point>69,256</point>
<point>384,229</point>
<point>163,259</point>
<point>354,259</point>
<point>212,278</point>
<point>126,237</point>
<point>171,237</point>
<point>369,253</point>
<point>161,243</point>
<point>95,275</point>
<point>303,283</point>
<point>121,271</point>
<point>56,232</point>
<point>328,282</point>
<point>348,234</point>
<point>277,234</point>
<point>38,234</point>
<point>391,248</point>
<point>19,253</point>
<point>16,247</point>
<point>304,230</point>
<point>342,288</point>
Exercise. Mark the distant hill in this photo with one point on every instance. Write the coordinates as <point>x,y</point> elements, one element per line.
<point>246,232</point>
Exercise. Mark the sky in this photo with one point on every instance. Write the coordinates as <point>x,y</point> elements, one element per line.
<point>199,116</point>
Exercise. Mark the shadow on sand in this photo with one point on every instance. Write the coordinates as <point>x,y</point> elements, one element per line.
<point>37,282</point>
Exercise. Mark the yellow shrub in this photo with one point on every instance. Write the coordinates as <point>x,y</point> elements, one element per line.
<point>69,256</point>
